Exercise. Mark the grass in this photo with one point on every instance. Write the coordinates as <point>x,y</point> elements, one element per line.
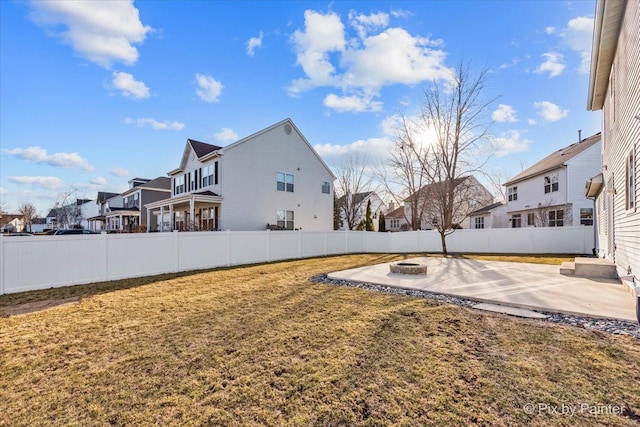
<point>261,345</point>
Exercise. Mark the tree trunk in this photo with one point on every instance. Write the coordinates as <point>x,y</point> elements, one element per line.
<point>443,239</point>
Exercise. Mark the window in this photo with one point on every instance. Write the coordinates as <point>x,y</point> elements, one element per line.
<point>479,222</point>
<point>516,221</point>
<point>586,216</point>
<point>209,174</point>
<point>180,221</point>
<point>395,223</point>
<point>550,183</point>
<point>284,182</point>
<point>285,219</point>
<point>178,184</point>
<point>209,218</point>
<point>556,218</point>
<point>513,193</point>
<point>531,220</point>
<point>326,187</point>
<point>630,182</point>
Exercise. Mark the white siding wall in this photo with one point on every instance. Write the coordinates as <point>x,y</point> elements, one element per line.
<point>192,165</point>
<point>531,192</point>
<point>579,169</point>
<point>248,173</point>
<point>621,135</point>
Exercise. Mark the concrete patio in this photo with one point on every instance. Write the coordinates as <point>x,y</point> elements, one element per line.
<point>529,286</point>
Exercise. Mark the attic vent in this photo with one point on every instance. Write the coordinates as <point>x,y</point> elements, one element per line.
<point>287,129</point>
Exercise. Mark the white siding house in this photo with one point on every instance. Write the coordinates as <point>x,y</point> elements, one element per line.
<point>614,88</point>
<point>551,192</point>
<point>356,206</point>
<point>491,216</point>
<point>271,179</point>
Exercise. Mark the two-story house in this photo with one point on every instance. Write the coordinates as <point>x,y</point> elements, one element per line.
<point>490,216</point>
<point>469,195</point>
<point>271,179</point>
<point>614,88</point>
<point>71,215</point>
<point>99,222</point>
<point>551,192</point>
<point>131,214</point>
<point>353,209</point>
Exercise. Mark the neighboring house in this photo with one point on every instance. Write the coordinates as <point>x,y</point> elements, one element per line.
<point>72,215</point>
<point>271,179</point>
<point>38,225</point>
<point>551,192</point>
<point>99,221</point>
<point>11,223</point>
<point>127,212</point>
<point>614,88</point>
<point>395,220</point>
<point>470,195</point>
<point>491,216</point>
<point>355,205</point>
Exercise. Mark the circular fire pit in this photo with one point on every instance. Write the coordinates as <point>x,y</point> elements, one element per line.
<point>408,268</point>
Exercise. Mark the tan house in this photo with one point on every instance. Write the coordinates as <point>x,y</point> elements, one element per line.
<point>614,88</point>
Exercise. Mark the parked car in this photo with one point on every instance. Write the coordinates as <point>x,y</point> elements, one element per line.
<point>18,234</point>
<point>74,231</point>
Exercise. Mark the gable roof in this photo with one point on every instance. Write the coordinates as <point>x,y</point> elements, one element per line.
<point>606,30</point>
<point>556,159</point>
<point>396,213</point>
<point>202,148</point>
<point>284,123</point>
<point>103,196</point>
<point>159,183</point>
<point>426,190</point>
<point>357,198</point>
<point>487,208</point>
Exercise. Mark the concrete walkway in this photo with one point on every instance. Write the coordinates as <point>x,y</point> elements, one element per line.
<point>530,286</point>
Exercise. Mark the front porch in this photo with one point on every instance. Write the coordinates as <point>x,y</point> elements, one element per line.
<point>124,220</point>
<point>189,212</point>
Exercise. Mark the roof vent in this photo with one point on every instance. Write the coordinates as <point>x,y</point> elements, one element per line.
<point>287,129</point>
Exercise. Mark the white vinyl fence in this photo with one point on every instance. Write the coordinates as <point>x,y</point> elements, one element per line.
<point>39,262</point>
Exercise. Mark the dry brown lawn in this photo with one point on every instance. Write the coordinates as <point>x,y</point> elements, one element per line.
<point>261,345</point>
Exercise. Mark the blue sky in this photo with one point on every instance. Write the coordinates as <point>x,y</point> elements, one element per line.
<point>93,94</point>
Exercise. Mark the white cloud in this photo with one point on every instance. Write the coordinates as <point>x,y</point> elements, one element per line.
<point>210,88</point>
<point>253,43</point>
<point>509,142</point>
<point>504,113</point>
<point>40,155</point>
<point>99,181</point>
<point>1,190</point>
<point>550,30</point>
<point>553,64</point>
<point>129,87</point>
<point>46,182</point>
<point>550,111</point>
<point>226,135</point>
<point>103,32</point>
<point>119,172</point>
<point>577,35</point>
<point>373,148</point>
<point>532,121</point>
<point>360,66</point>
<point>165,125</point>
<point>352,103</point>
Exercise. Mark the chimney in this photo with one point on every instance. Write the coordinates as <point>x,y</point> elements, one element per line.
<point>391,206</point>
<point>579,135</point>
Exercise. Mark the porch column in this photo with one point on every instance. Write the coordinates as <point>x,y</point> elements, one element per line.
<point>148,219</point>
<point>121,221</point>
<point>161,218</point>
<point>192,211</point>
<point>172,224</point>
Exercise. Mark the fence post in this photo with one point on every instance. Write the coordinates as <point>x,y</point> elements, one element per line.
<point>325,242</point>
<point>176,243</point>
<point>299,244</point>
<point>268,245</point>
<point>105,247</point>
<point>2,270</point>
<point>228,248</point>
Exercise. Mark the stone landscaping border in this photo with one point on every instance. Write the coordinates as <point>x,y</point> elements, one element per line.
<point>612,326</point>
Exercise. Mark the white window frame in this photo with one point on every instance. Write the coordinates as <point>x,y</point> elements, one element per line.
<point>479,222</point>
<point>551,184</point>
<point>513,193</point>
<point>179,185</point>
<point>630,181</point>
<point>326,185</point>
<point>555,222</point>
<point>586,216</point>
<point>285,219</point>
<point>516,221</point>
<point>285,182</point>
<point>395,223</point>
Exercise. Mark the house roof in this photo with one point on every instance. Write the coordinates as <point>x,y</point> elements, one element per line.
<point>103,196</point>
<point>396,213</point>
<point>487,208</point>
<point>606,30</point>
<point>159,183</point>
<point>556,159</point>
<point>207,193</point>
<point>426,190</point>
<point>7,218</point>
<point>357,198</point>
<point>202,148</point>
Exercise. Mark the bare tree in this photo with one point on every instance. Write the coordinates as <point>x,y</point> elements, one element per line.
<point>29,213</point>
<point>403,176</point>
<point>458,116</point>
<point>65,209</point>
<point>352,181</point>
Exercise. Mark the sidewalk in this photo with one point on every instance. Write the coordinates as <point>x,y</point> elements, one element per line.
<point>530,286</point>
